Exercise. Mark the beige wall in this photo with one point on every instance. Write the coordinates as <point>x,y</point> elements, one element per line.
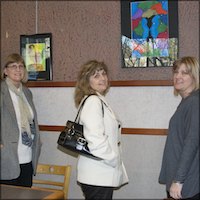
<point>85,30</point>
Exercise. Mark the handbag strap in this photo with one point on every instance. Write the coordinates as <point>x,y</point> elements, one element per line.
<point>81,107</point>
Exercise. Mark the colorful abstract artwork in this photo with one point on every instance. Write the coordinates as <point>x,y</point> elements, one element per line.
<point>149,19</point>
<point>35,57</point>
<point>150,41</point>
<point>37,53</point>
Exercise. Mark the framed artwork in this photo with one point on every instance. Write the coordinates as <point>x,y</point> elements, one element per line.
<point>149,33</point>
<point>37,53</point>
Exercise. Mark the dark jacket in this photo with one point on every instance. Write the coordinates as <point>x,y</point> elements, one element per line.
<point>181,154</point>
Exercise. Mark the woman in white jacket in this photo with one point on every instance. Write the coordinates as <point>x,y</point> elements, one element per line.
<point>102,130</point>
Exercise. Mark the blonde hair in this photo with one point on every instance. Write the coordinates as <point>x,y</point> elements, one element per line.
<point>192,67</point>
<point>83,85</point>
<point>12,58</point>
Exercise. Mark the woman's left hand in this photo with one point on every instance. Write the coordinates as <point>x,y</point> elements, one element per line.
<point>175,190</point>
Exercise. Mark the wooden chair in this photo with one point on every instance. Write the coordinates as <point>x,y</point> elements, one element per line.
<point>53,170</point>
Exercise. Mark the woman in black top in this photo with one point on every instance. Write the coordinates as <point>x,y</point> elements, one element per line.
<point>180,164</point>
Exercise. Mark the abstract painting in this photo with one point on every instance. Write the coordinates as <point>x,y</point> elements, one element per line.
<point>148,39</point>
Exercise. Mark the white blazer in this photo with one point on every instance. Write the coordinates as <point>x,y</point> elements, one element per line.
<point>103,133</point>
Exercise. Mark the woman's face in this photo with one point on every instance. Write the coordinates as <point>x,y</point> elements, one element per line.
<point>99,81</point>
<point>183,82</point>
<point>15,71</point>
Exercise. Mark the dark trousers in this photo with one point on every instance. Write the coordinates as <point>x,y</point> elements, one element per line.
<point>195,197</point>
<point>97,192</point>
<point>25,178</point>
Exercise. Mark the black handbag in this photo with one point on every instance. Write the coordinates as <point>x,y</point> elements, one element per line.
<point>72,137</point>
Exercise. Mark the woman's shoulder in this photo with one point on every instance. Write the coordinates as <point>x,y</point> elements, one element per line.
<point>4,86</point>
<point>25,87</point>
<point>26,90</point>
<point>3,83</point>
<point>192,100</point>
<point>194,96</point>
<point>196,93</point>
<point>92,98</point>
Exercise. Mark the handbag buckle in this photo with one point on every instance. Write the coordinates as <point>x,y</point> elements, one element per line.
<point>81,141</point>
<point>71,131</point>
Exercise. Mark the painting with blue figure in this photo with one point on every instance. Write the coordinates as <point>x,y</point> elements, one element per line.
<point>145,28</point>
<point>154,27</point>
<point>151,36</point>
<point>149,20</point>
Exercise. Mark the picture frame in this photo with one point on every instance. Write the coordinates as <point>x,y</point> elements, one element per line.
<point>139,47</point>
<point>36,51</point>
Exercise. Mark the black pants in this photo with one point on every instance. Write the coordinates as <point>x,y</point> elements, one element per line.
<point>97,192</point>
<point>25,178</point>
<point>195,197</point>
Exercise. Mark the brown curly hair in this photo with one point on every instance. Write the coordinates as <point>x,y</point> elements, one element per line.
<point>82,85</point>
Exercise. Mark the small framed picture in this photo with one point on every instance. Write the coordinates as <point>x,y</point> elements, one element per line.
<point>37,53</point>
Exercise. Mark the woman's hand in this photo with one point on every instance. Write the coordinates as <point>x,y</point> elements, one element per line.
<point>175,190</point>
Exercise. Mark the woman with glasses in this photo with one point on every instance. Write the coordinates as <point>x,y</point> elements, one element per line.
<point>20,140</point>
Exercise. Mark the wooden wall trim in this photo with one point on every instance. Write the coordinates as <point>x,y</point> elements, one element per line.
<point>112,83</point>
<point>136,131</point>
<point>144,131</point>
<point>50,84</point>
<point>141,83</point>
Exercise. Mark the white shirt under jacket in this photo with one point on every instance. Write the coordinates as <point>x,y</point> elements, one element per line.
<point>103,134</point>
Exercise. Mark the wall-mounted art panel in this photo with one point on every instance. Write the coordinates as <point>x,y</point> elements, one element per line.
<point>37,53</point>
<point>149,33</point>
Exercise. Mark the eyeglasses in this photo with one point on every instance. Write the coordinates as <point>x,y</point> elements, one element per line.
<point>16,66</point>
